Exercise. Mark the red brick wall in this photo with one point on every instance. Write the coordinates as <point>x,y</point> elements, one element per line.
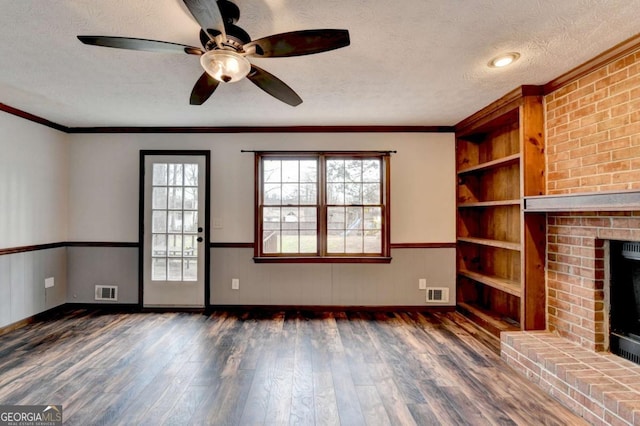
<point>593,131</point>
<point>576,271</point>
<point>593,144</point>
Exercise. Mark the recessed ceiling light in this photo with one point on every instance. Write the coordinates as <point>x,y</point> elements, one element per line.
<point>503,60</point>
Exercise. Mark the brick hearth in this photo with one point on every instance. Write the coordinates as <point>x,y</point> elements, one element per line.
<point>601,387</point>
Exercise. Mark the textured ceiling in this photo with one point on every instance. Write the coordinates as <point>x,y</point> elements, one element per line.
<point>410,62</point>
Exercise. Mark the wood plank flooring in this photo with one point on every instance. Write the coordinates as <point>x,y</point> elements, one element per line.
<point>253,368</point>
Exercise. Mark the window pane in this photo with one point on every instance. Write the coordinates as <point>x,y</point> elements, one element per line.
<point>271,194</point>
<point>159,221</point>
<point>308,219</point>
<point>335,218</point>
<point>159,198</point>
<point>335,170</point>
<point>354,218</point>
<point>175,270</point>
<point>190,269</point>
<point>308,171</point>
<point>290,241</point>
<point>191,198</point>
<point>290,193</point>
<point>175,198</point>
<point>308,193</point>
<point>175,174</point>
<point>190,222</point>
<point>371,193</point>
<point>290,218</point>
<point>189,246</point>
<point>353,170</point>
<point>191,175</point>
<point>174,243</point>
<point>354,242</point>
<point>308,242</point>
<point>373,241</point>
<point>373,218</point>
<point>271,170</point>
<point>159,174</point>
<point>271,242</point>
<point>271,217</point>
<point>335,193</point>
<point>175,222</point>
<point>290,171</point>
<point>159,245</point>
<point>371,171</point>
<point>159,269</point>
<point>353,193</point>
<point>335,242</point>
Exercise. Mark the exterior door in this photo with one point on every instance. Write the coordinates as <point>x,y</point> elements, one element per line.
<point>174,230</point>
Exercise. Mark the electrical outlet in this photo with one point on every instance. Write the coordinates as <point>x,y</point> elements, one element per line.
<point>235,284</point>
<point>422,284</point>
<point>49,282</point>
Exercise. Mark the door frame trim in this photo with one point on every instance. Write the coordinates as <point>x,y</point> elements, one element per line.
<point>207,212</point>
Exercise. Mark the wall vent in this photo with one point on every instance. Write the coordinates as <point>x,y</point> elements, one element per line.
<point>107,292</point>
<point>437,294</point>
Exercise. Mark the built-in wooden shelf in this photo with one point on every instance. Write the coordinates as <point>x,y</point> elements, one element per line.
<point>504,161</point>
<point>496,203</point>
<point>500,246</point>
<point>491,243</point>
<point>490,321</point>
<point>592,201</point>
<point>502,284</point>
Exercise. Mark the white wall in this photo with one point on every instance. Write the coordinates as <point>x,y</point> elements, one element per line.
<point>33,183</point>
<point>104,180</point>
<point>33,210</point>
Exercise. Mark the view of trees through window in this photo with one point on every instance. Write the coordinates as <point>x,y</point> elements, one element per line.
<point>174,222</point>
<point>322,205</point>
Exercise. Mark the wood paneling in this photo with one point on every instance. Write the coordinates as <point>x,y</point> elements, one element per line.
<point>254,367</point>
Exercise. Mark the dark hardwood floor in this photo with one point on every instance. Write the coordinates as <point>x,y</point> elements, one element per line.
<point>268,368</point>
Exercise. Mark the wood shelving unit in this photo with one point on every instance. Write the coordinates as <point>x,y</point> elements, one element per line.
<point>501,249</point>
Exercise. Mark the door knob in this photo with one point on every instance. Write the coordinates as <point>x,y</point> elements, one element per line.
<point>199,228</point>
<point>199,239</point>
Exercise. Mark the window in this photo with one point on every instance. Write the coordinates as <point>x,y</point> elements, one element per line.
<point>322,207</point>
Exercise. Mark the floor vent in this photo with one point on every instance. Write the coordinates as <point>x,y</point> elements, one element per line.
<point>437,294</point>
<point>106,292</point>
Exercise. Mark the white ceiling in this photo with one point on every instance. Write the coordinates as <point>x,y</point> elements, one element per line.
<point>410,62</point>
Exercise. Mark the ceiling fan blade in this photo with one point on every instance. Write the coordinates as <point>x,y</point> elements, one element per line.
<point>273,86</point>
<point>203,89</point>
<point>297,43</point>
<point>207,14</point>
<point>140,44</point>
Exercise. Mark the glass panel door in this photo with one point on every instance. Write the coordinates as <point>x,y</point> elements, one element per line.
<point>174,244</point>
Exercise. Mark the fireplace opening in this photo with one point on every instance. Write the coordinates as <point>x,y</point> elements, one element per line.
<point>624,325</point>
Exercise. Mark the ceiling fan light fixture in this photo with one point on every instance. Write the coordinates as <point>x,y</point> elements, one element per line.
<point>504,60</point>
<point>225,66</point>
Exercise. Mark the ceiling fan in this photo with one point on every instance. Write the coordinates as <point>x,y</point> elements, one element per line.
<point>227,47</point>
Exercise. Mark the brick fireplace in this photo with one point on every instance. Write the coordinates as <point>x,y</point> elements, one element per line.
<point>592,124</point>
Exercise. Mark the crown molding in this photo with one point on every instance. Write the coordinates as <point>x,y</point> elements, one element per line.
<point>610,55</point>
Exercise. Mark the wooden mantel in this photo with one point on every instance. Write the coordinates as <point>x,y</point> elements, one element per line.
<point>591,201</point>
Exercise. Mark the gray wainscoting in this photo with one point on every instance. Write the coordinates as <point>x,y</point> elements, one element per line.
<point>76,271</point>
<point>22,290</point>
<point>394,284</point>
<point>91,266</point>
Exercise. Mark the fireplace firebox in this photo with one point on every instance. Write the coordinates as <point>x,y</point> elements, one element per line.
<point>624,310</point>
